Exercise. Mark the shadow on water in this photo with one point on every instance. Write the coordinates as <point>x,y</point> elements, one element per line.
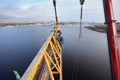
<point>92,53</point>
<point>19,45</point>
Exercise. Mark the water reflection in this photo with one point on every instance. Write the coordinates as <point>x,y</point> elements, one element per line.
<point>92,52</point>
<point>19,45</point>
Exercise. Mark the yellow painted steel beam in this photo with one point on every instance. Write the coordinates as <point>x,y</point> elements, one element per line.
<point>56,51</point>
<point>48,62</point>
<point>48,67</point>
<point>54,54</point>
<point>54,64</point>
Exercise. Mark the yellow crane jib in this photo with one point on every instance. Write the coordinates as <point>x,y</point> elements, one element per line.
<point>47,64</point>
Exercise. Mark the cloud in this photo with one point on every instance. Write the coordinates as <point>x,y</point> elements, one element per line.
<point>33,12</point>
<point>42,10</point>
<point>28,10</point>
<point>70,10</point>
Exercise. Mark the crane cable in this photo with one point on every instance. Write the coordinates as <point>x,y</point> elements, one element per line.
<point>56,17</point>
<point>81,12</point>
<point>76,60</point>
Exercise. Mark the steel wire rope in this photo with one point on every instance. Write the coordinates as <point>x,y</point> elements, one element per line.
<point>56,17</point>
<point>76,60</point>
<point>81,14</point>
<point>75,67</point>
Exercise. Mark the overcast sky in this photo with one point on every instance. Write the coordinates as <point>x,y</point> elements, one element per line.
<point>42,10</point>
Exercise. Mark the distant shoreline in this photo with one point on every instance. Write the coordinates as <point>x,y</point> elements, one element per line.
<point>10,24</point>
<point>102,28</point>
<point>99,27</point>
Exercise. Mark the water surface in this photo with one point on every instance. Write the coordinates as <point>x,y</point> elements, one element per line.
<point>19,45</point>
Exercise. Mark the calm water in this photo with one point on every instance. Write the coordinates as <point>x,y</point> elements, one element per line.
<point>19,45</point>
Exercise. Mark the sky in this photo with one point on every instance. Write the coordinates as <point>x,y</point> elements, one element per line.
<point>42,10</point>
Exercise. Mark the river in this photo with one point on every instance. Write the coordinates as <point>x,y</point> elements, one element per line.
<point>19,45</point>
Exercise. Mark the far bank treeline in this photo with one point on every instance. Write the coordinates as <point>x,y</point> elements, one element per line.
<point>100,27</point>
<point>3,24</point>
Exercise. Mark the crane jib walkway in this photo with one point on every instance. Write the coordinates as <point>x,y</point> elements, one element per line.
<point>47,65</point>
